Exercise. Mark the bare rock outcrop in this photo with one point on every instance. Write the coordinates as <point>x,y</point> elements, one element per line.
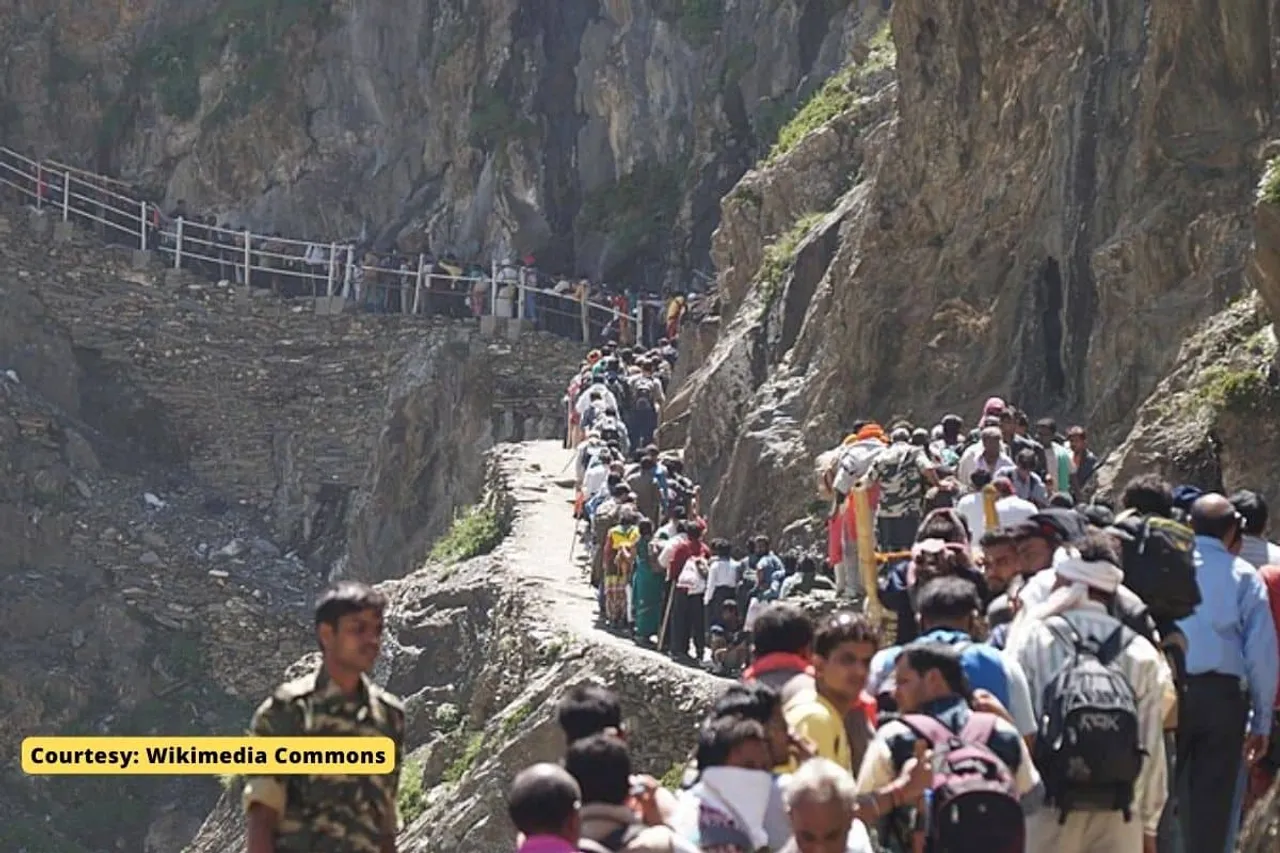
<point>1212,421</point>
<point>1058,197</point>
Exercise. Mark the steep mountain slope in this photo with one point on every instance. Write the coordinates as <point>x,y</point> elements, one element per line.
<point>481,651</point>
<point>598,134</point>
<point>181,467</point>
<point>1059,194</point>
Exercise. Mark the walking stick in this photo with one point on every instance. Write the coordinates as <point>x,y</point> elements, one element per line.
<point>666,617</point>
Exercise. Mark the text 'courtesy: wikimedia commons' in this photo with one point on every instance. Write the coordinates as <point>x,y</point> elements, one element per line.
<point>200,756</point>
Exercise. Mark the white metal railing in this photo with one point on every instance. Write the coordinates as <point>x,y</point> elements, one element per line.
<point>309,268</point>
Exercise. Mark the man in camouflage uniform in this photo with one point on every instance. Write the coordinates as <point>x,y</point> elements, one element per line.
<point>904,472</point>
<point>331,814</point>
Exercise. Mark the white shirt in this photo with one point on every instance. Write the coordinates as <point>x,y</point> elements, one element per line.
<point>973,460</point>
<point>595,479</point>
<point>668,550</point>
<point>971,510</point>
<point>1258,552</point>
<point>1009,511</point>
<point>1043,653</point>
<point>854,463</point>
<point>584,399</point>
<point>722,572</point>
<point>691,581</point>
<point>1014,510</point>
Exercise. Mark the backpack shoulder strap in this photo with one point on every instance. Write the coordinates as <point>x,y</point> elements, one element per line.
<point>1115,643</point>
<point>928,728</point>
<point>1064,630</point>
<point>979,728</point>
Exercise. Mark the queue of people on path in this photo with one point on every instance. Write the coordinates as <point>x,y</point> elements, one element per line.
<point>1086,676</point>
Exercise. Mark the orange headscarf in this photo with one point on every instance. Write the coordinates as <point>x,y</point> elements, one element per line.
<point>870,431</point>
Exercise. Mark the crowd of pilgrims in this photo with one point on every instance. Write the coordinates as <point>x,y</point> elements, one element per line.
<point>1035,668</point>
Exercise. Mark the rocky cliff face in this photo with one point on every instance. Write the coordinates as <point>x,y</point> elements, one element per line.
<point>183,466</point>
<point>1052,199</point>
<point>597,134</point>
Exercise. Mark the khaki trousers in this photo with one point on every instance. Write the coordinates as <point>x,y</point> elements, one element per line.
<point>1084,832</point>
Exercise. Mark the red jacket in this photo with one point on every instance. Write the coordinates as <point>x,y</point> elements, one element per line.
<point>681,554</point>
<point>1271,578</point>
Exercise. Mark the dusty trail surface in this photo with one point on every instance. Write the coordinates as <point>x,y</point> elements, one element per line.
<point>541,477</point>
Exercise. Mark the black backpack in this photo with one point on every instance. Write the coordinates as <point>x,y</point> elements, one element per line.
<point>1088,748</point>
<point>642,393</point>
<point>1159,564</point>
<point>614,841</point>
<point>975,797</point>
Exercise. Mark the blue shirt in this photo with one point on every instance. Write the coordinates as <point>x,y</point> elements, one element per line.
<point>982,664</point>
<point>1232,632</point>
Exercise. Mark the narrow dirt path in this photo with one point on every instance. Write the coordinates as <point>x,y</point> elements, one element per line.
<point>541,474</point>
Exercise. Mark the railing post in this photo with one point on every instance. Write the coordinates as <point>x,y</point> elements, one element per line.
<point>177,245</point>
<point>39,185</point>
<point>66,196</point>
<point>520,297</point>
<point>417,283</point>
<point>639,321</point>
<point>333,263</point>
<point>143,230</point>
<point>248,255</point>
<point>493,288</point>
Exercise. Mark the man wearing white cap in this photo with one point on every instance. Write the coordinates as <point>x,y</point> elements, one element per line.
<point>1070,644</point>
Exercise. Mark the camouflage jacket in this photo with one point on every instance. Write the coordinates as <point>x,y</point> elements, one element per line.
<point>899,470</point>
<point>329,814</point>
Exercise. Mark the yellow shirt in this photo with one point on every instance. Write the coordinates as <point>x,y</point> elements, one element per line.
<point>812,716</point>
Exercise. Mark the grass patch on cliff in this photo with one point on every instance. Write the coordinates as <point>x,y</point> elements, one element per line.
<point>411,797</point>
<point>475,531</point>
<point>518,715</point>
<point>780,255</point>
<point>1269,186</point>
<point>1238,389</point>
<point>462,765</point>
<point>837,95</point>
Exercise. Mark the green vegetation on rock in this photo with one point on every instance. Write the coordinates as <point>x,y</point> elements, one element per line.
<point>475,531</point>
<point>518,715</point>
<point>462,765</point>
<point>838,94</point>
<point>1238,389</point>
<point>411,797</point>
<point>781,254</point>
<point>1269,186</point>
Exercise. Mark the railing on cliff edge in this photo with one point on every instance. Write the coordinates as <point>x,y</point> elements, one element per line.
<point>312,268</point>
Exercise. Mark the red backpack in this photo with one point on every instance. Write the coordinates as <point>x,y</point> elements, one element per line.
<point>975,806</point>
